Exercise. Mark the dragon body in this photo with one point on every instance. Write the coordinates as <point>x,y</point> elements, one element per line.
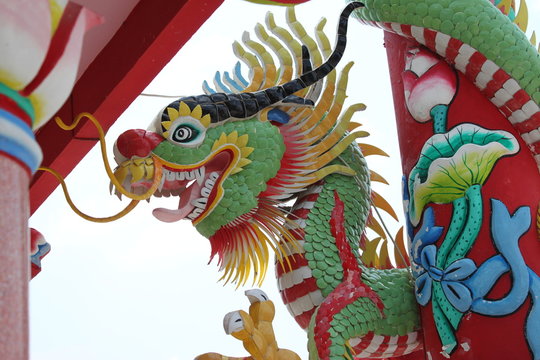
<point>236,160</point>
<point>238,156</point>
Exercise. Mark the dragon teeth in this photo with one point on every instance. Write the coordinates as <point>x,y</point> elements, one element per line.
<point>169,175</point>
<point>160,187</point>
<point>190,175</point>
<point>205,192</point>
<point>200,202</point>
<point>199,175</point>
<point>195,213</point>
<point>180,175</point>
<point>209,184</point>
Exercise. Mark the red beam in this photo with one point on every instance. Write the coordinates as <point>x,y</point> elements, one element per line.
<point>151,35</point>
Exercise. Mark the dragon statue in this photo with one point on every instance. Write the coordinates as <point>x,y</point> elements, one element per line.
<point>262,164</point>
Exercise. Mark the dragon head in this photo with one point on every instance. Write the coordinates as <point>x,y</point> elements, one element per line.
<point>217,170</point>
<point>231,158</point>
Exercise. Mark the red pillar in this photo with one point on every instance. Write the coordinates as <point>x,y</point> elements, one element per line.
<point>464,321</point>
<point>14,263</point>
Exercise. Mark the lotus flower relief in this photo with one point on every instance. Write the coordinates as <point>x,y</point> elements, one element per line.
<point>428,82</point>
<point>451,163</point>
<point>40,46</point>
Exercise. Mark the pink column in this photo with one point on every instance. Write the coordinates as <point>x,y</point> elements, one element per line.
<point>14,261</point>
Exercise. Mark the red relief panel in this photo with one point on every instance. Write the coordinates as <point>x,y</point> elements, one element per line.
<point>473,192</point>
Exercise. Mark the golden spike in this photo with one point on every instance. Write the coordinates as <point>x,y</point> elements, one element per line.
<point>522,17</point>
<point>265,255</point>
<point>294,46</point>
<point>232,137</point>
<point>197,112</point>
<point>380,202</point>
<point>335,151</point>
<point>285,59</point>
<point>322,39</point>
<point>173,114</point>
<point>376,226</point>
<point>245,264</point>
<point>256,70</point>
<point>184,109</point>
<point>324,103</point>
<point>265,57</point>
<point>243,162</point>
<point>236,170</point>
<point>384,259</point>
<point>337,132</point>
<point>376,177</point>
<point>300,33</point>
<point>400,251</point>
<point>206,120</point>
<point>222,140</point>
<point>166,124</point>
<point>246,151</point>
<point>368,150</point>
<point>242,140</point>
<point>533,38</point>
<point>321,173</point>
<point>353,125</point>
<point>331,117</point>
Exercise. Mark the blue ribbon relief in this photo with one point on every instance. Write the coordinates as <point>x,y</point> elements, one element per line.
<point>465,286</point>
<point>452,280</point>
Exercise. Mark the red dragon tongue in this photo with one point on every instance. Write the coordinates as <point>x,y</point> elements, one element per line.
<point>185,206</point>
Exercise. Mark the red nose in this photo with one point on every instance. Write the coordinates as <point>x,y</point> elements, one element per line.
<point>137,142</point>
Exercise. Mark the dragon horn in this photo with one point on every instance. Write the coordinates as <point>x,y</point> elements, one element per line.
<point>313,76</point>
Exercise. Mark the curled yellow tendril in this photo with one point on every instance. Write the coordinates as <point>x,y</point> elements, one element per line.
<point>134,197</point>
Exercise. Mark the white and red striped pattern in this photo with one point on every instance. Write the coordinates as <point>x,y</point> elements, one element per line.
<point>380,346</point>
<point>494,83</point>
<point>296,283</point>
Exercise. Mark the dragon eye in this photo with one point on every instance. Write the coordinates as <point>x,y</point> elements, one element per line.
<point>184,134</point>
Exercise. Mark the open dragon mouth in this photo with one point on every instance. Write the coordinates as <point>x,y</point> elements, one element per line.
<point>198,186</point>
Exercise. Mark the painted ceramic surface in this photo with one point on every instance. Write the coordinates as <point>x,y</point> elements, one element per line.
<point>472,195</point>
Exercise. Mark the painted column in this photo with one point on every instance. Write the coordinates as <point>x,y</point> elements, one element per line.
<point>472,190</point>
<point>14,242</point>
<point>40,46</point>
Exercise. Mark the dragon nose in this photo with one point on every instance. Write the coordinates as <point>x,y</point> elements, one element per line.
<point>135,142</point>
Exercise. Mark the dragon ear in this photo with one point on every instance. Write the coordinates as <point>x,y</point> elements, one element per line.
<point>275,115</point>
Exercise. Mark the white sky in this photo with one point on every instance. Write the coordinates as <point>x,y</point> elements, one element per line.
<point>141,289</point>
